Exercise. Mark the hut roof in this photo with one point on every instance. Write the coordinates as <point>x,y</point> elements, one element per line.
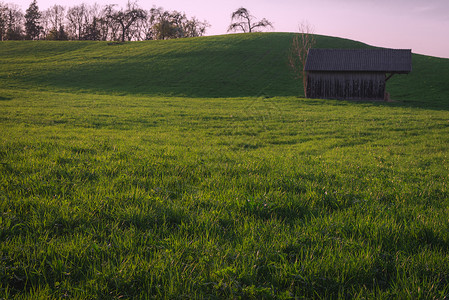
<point>360,60</point>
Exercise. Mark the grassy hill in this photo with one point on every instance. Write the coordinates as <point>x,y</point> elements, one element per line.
<point>113,185</point>
<point>240,65</point>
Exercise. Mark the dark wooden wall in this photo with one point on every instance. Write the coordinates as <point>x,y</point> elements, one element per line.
<point>346,85</point>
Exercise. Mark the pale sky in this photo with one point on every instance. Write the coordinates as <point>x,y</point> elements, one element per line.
<point>420,25</point>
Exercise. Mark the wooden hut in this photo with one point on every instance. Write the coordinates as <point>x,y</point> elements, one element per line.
<point>353,73</point>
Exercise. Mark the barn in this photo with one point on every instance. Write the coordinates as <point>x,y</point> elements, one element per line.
<point>353,74</point>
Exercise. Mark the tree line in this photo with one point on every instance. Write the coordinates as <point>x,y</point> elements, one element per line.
<point>96,23</point>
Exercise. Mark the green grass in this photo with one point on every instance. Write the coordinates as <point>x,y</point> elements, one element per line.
<point>220,185</point>
<point>237,65</point>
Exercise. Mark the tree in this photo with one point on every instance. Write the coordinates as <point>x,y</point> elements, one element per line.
<point>194,27</point>
<point>32,25</point>
<point>161,24</point>
<point>85,22</point>
<point>58,34</point>
<point>108,28</point>
<point>3,21</point>
<point>14,23</point>
<point>95,22</point>
<point>93,32</point>
<point>299,50</point>
<point>126,18</point>
<point>77,17</point>
<point>96,25</point>
<point>165,24</point>
<point>56,15</point>
<point>52,21</point>
<point>244,21</point>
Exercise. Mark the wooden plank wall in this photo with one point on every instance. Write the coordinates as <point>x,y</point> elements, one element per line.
<point>346,85</point>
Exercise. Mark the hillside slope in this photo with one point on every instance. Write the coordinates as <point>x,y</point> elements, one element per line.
<point>217,66</point>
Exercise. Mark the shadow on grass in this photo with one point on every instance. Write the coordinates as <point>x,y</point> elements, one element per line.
<point>195,81</point>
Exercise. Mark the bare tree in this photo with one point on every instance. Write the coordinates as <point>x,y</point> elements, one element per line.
<point>137,30</point>
<point>93,20</point>
<point>144,29</point>
<point>126,18</point>
<point>52,22</point>
<point>162,24</point>
<point>15,21</point>
<point>55,16</point>
<point>11,22</point>
<point>301,44</point>
<point>244,21</point>
<point>3,20</point>
<point>194,27</point>
<point>77,17</point>
<point>108,27</point>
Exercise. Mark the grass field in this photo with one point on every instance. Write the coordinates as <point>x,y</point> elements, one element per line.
<point>192,169</point>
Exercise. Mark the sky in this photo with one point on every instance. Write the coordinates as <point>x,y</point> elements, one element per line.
<point>420,25</point>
